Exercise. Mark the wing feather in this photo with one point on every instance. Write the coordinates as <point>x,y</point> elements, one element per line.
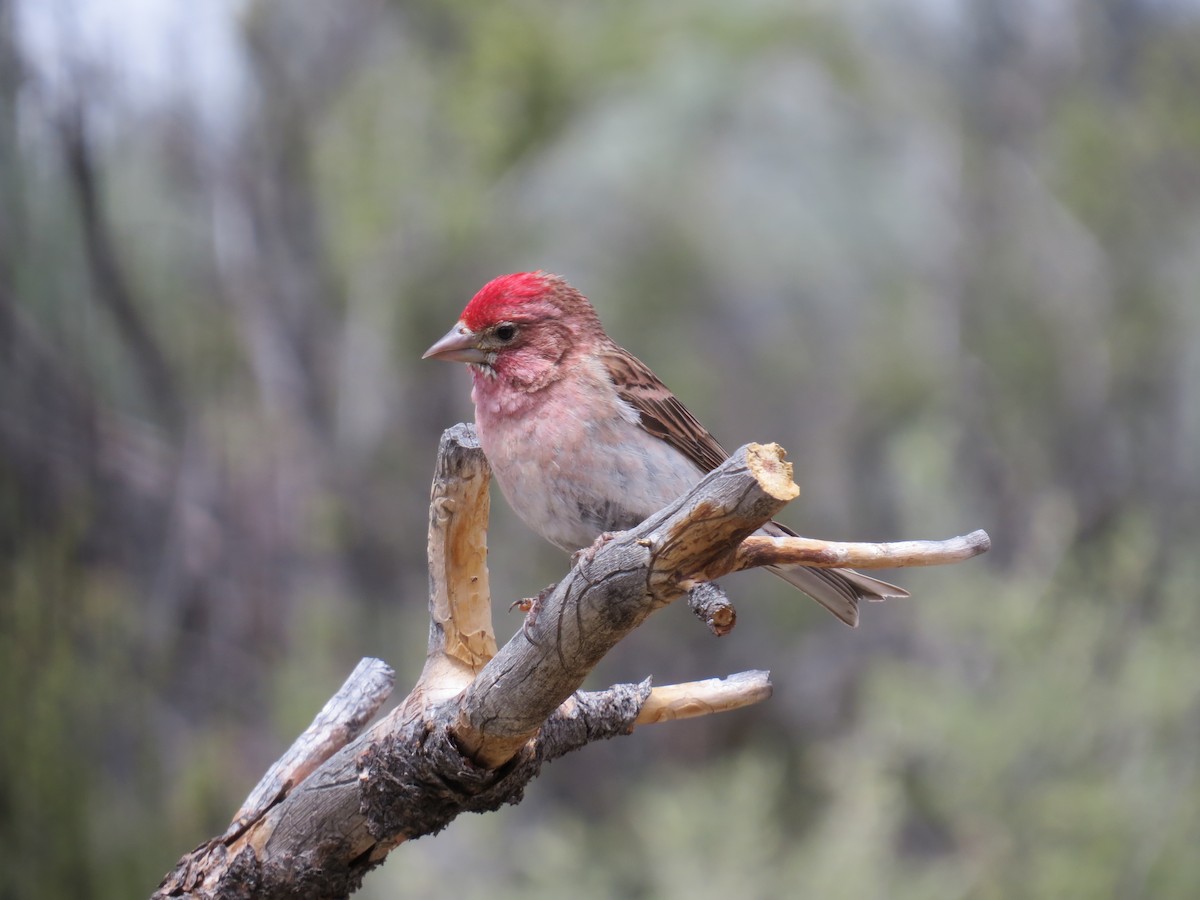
<point>661,413</point>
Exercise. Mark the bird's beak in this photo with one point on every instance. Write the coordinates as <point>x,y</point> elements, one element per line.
<point>459,345</point>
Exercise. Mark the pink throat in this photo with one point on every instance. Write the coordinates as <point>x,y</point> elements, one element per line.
<point>494,396</point>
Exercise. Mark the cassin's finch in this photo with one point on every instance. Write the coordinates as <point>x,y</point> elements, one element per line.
<point>582,437</point>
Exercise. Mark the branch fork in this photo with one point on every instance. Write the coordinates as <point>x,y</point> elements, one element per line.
<point>481,720</point>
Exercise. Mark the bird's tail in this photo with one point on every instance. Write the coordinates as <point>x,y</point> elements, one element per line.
<point>838,590</point>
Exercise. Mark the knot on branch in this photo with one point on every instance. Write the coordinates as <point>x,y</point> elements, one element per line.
<point>592,716</point>
<point>417,783</point>
<point>710,604</point>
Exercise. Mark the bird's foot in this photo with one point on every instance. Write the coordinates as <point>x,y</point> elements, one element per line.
<point>587,554</point>
<point>531,606</point>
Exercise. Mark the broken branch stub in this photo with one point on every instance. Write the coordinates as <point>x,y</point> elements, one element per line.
<point>701,545</point>
<point>461,635</point>
<point>712,606</point>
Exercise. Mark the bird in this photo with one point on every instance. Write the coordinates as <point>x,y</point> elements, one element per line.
<point>582,437</point>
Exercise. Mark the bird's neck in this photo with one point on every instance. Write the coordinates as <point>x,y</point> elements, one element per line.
<point>497,394</point>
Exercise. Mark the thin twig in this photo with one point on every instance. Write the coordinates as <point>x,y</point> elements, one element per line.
<point>340,721</point>
<point>760,550</point>
<point>703,698</point>
<point>712,606</point>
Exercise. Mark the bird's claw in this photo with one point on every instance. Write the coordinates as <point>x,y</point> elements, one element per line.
<point>587,554</point>
<point>531,606</point>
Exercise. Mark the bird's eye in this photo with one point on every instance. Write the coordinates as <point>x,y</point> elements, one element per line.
<point>506,332</point>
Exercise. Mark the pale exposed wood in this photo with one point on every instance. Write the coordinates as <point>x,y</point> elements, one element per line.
<point>760,550</point>
<point>703,698</point>
<point>461,635</point>
<point>770,468</point>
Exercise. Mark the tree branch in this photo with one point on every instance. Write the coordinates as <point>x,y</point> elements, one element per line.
<point>610,592</point>
<point>461,636</point>
<point>713,607</point>
<point>760,550</point>
<point>341,720</point>
<point>479,723</point>
<point>702,698</point>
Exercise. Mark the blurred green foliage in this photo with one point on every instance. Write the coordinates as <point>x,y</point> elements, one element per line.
<point>945,253</point>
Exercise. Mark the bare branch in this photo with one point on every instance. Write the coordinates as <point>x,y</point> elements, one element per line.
<point>113,286</point>
<point>448,750</point>
<point>712,606</point>
<point>339,722</point>
<point>461,635</point>
<point>703,698</point>
<point>761,550</point>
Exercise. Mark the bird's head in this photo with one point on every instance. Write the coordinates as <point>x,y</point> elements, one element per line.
<point>519,328</point>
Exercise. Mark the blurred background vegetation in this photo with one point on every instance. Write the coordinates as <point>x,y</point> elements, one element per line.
<point>947,253</point>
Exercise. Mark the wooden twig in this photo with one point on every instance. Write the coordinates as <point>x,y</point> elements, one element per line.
<point>461,635</point>
<point>760,550</point>
<point>341,720</point>
<point>712,606</point>
<point>703,698</point>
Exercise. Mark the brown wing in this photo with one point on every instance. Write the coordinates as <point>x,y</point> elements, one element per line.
<point>663,416</point>
<point>661,412</point>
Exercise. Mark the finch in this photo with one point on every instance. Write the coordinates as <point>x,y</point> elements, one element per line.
<point>582,437</point>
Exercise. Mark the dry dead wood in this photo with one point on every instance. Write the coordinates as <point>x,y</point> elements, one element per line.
<point>480,722</point>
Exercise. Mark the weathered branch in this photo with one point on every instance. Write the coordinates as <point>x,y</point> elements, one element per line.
<point>702,698</point>
<point>610,592</point>
<point>479,723</point>
<point>760,550</point>
<point>341,720</point>
<point>461,636</point>
<point>713,607</point>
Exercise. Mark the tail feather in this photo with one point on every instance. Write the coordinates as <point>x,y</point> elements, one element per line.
<point>838,590</point>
